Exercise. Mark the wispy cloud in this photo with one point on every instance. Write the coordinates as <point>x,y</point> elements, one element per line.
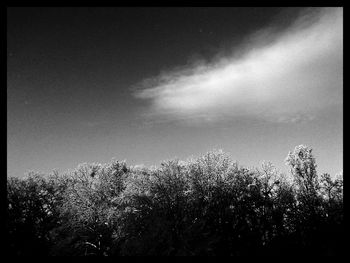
<point>285,76</point>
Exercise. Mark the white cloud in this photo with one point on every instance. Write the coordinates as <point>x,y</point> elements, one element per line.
<point>283,77</point>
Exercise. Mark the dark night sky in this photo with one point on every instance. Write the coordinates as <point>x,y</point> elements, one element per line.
<point>78,85</point>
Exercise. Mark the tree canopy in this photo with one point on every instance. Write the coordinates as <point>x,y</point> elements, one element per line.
<point>204,206</point>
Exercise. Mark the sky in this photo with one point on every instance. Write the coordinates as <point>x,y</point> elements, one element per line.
<point>150,84</point>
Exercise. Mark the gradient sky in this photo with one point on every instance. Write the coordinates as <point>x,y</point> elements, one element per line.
<point>150,84</point>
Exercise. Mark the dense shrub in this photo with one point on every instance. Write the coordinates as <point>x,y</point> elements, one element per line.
<point>204,206</point>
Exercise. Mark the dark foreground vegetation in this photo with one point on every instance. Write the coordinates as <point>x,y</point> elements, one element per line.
<point>205,206</point>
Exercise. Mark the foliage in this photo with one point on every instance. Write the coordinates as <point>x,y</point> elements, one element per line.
<point>204,206</point>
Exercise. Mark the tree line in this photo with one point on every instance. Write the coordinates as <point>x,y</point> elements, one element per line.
<point>203,206</point>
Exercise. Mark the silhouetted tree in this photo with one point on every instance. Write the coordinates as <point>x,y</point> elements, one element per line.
<point>205,206</point>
